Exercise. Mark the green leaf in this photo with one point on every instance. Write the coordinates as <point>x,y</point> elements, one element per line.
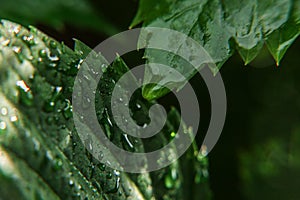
<point>280,40</point>
<point>42,156</point>
<point>29,158</point>
<point>143,14</point>
<point>221,27</point>
<point>55,13</point>
<point>249,55</point>
<point>37,75</point>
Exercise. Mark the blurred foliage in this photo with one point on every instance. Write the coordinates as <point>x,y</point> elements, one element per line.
<point>270,168</point>
<point>56,13</point>
<point>269,165</point>
<point>260,130</point>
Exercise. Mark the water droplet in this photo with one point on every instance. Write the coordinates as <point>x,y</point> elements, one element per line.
<point>5,42</point>
<point>174,174</point>
<point>36,145</point>
<point>109,175</point>
<point>13,28</point>
<point>23,85</point>
<point>203,150</point>
<point>13,118</point>
<point>110,123</point>
<point>128,143</point>
<point>26,96</point>
<point>16,49</point>
<point>117,184</point>
<point>57,164</point>
<point>116,187</point>
<point>53,44</point>
<point>2,126</point>
<point>79,187</point>
<point>50,105</point>
<point>86,77</point>
<point>116,173</point>
<point>102,167</point>
<point>77,195</point>
<point>29,40</point>
<point>94,72</point>
<point>45,38</point>
<point>138,106</point>
<point>4,111</point>
<point>90,147</point>
<point>103,68</point>
<point>58,89</point>
<point>79,63</point>
<point>74,66</point>
<point>71,182</point>
<point>93,166</point>
<point>100,156</point>
<point>43,53</point>
<point>86,102</point>
<point>53,58</point>
<point>49,155</point>
<point>67,112</point>
<point>173,134</point>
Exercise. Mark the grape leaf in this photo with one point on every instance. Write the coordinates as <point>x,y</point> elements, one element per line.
<point>280,40</point>
<point>222,27</point>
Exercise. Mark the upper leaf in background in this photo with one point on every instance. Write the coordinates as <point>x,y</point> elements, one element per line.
<point>280,40</point>
<point>223,26</point>
<point>55,13</point>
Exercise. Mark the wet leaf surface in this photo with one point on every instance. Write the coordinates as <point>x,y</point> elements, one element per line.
<point>221,27</point>
<point>42,156</point>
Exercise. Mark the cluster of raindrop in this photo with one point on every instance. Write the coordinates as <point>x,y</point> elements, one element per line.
<point>7,117</point>
<point>116,176</point>
<point>53,162</point>
<point>51,57</point>
<point>3,125</point>
<point>51,103</point>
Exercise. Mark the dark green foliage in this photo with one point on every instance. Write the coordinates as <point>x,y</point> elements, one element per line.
<point>37,134</point>
<point>222,27</point>
<point>56,14</point>
<point>41,154</point>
